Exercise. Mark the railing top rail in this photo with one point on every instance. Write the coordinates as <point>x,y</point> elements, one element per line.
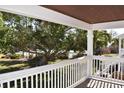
<point>40,69</point>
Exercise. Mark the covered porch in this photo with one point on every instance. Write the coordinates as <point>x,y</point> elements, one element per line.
<point>86,71</point>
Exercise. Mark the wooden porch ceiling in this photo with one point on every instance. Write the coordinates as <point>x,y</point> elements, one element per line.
<point>91,13</point>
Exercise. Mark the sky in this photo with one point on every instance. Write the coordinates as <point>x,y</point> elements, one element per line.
<point>118,31</point>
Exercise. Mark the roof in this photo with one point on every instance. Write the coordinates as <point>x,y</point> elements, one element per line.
<point>91,13</point>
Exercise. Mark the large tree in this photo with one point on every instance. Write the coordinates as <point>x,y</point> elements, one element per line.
<point>20,31</point>
<point>49,38</point>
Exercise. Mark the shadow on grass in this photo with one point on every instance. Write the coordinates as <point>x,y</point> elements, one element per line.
<point>8,63</point>
<point>10,66</point>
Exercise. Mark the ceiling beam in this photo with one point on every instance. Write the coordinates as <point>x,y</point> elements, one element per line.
<point>42,13</point>
<point>108,25</point>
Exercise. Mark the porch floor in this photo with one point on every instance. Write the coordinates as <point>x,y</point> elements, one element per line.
<point>93,83</point>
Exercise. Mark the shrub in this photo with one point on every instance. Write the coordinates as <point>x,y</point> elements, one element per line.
<point>37,61</point>
<point>63,55</point>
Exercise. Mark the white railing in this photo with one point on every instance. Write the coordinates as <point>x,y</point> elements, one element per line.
<point>64,74</point>
<point>108,68</point>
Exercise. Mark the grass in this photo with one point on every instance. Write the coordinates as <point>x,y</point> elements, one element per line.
<point>110,55</point>
<point>10,66</point>
<point>53,62</point>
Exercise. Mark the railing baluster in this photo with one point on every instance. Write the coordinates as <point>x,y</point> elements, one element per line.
<point>95,62</point>
<point>48,78</point>
<point>111,70</point>
<point>82,71</point>
<point>96,65</point>
<point>51,78</point>
<point>55,78</point>
<point>108,72</point>
<point>105,70</point>
<point>114,71</point>
<point>118,72</point>
<point>1,85</point>
<point>92,68</point>
<point>77,71</point>
<point>122,69</point>
<point>26,82</point>
<point>102,69</point>
<point>41,80</point>
<point>8,84</point>
<point>98,68</point>
<point>73,73</point>
<point>70,74</point>
<point>21,80</point>
<point>63,77</point>
<point>32,82</point>
<point>58,78</point>
<point>120,75</point>
<point>66,77</point>
<point>44,79</point>
<point>36,78</point>
<point>94,72</point>
<point>15,84</point>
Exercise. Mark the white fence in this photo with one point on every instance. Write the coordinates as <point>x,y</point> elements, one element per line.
<point>108,68</point>
<point>61,75</point>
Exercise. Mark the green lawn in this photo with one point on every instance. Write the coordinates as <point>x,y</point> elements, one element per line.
<point>53,62</point>
<point>9,66</point>
<point>110,55</point>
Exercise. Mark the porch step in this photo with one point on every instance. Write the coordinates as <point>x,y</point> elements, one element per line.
<point>102,84</point>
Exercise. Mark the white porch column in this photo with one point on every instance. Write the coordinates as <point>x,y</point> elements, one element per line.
<point>89,51</point>
<point>90,43</point>
<point>119,46</point>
